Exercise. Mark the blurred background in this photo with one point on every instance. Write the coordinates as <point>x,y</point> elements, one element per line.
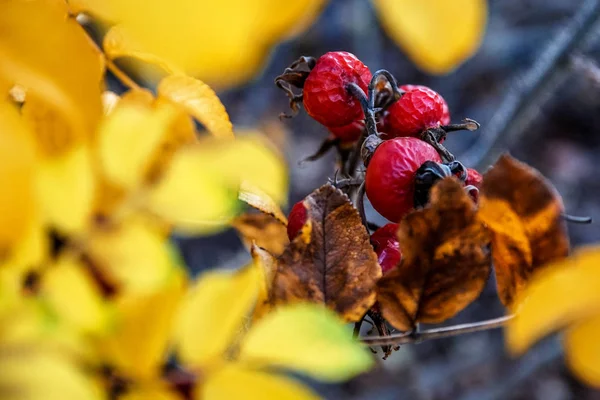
<point>561,140</point>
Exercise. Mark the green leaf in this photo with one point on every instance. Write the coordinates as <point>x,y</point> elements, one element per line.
<point>307,338</point>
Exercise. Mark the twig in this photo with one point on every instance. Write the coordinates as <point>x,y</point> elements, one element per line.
<point>522,102</point>
<point>436,333</point>
<point>110,65</point>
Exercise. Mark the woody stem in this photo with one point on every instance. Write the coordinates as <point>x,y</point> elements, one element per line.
<point>436,333</point>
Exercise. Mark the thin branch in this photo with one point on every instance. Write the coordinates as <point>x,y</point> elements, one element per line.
<point>522,102</point>
<point>110,65</point>
<point>436,333</point>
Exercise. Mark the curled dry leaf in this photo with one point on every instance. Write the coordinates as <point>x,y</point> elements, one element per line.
<point>523,211</point>
<point>331,261</point>
<point>266,265</point>
<point>263,230</point>
<point>445,260</point>
<point>255,197</point>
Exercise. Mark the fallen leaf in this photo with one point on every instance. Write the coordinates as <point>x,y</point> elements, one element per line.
<point>331,261</point>
<point>263,230</point>
<point>437,35</point>
<point>445,260</point>
<point>523,211</point>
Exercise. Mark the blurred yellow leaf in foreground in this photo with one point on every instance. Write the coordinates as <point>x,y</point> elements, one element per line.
<point>437,35</point>
<point>564,296</point>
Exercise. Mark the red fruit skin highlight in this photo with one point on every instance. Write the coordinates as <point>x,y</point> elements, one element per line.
<point>296,220</point>
<point>417,110</point>
<point>385,244</point>
<point>389,181</point>
<point>325,97</point>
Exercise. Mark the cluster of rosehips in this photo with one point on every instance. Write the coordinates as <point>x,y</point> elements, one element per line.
<point>398,131</point>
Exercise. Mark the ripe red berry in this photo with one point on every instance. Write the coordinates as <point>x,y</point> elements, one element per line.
<point>324,93</point>
<point>385,243</point>
<point>417,110</point>
<point>349,133</point>
<point>445,119</point>
<point>390,175</point>
<point>296,219</point>
<point>474,178</point>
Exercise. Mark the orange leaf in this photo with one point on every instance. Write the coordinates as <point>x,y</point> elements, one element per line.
<point>263,230</point>
<point>331,261</point>
<point>445,260</point>
<point>523,211</point>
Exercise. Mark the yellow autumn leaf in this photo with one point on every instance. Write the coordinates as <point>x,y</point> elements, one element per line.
<point>565,292</point>
<point>260,200</point>
<point>191,196</point>
<point>133,254</point>
<point>129,137</point>
<point>230,46</point>
<point>199,191</point>
<point>232,382</point>
<point>117,43</point>
<point>198,99</point>
<point>582,350</point>
<point>306,338</point>
<point>147,391</point>
<point>31,251</point>
<point>437,35</point>
<point>66,189</point>
<point>17,166</point>
<point>50,55</point>
<point>217,296</point>
<point>249,162</point>
<point>34,373</point>
<point>74,296</point>
<point>138,347</point>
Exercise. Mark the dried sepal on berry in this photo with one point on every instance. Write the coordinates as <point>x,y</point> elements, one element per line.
<point>445,260</point>
<point>523,211</point>
<point>331,260</point>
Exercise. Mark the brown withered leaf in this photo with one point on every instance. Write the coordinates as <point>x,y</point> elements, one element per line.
<point>523,211</point>
<point>331,261</point>
<point>445,260</point>
<point>266,264</point>
<point>262,229</point>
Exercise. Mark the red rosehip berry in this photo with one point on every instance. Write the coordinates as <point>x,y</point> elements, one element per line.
<point>417,110</point>
<point>296,219</point>
<point>325,97</point>
<point>445,119</point>
<point>389,181</point>
<point>474,178</point>
<point>349,133</point>
<point>385,243</point>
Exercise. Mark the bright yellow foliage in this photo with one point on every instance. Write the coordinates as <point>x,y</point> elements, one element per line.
<point>438,35</point>
<point>233,38</point>
<point>92,291</point>
<point>566,295</point>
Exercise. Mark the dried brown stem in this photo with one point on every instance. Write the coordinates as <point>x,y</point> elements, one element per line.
<point>436,333</point>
